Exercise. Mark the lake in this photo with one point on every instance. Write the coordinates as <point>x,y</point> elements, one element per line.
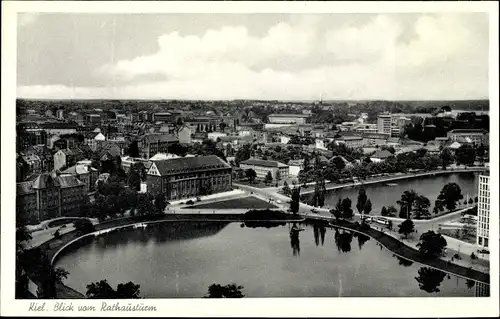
<point>381,194</point>
<point>181,259</point>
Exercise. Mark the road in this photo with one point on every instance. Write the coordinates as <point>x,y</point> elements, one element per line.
<point>272,193</point>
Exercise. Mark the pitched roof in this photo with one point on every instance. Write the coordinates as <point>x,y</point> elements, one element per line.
<point>264,163</point>
<point>78,169</point>
<point>190,164</point>
<point>68,180</point>
<point>44,180</point>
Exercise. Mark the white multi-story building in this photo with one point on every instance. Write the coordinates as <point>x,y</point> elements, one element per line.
<point>384,123</point>
<point>483,212</point>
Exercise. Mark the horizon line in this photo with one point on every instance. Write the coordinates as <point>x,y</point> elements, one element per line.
<point>247,99</point>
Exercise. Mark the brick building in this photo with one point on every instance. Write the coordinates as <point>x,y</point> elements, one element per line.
<point>151,144</point>
<point>184,177</point>
<point>49,195</point>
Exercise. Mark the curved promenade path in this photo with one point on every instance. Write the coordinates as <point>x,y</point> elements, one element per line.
<point>400,248</point>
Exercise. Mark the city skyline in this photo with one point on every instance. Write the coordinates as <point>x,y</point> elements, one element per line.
<point>253,56</point>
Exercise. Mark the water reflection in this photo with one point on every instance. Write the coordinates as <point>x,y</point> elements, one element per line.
<point>265,224</point>
<point>470,283</point>
<point>294,239</point>
<point>430,279</point>
<point>343,240</point>
<point>403,261</point>
<point>160,233</point>
<point>362,239</point>
<point>316,235</point>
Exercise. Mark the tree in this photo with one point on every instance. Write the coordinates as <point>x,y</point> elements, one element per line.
<point>338,163</point>
<point>243,153</point>
<point>449,196</point>
<point>227,291</point>
<point>431,245</point>
<point>205,189</point>
<point>60,274</point>
<point>134,179</point>
<point>362,198</point>
<point>367,208</point>
<point>295,200</point>
<point>422,205</point>
<point>347,212</point>
<point>160,203</point>
<point>251,175</point>
<point>128,291</point>
<point>383,212</point>
<point>83,226</point>
<point>391,211</point>
<point>145,204</point>
<point>468,229</point>
<point>337,211</point>
<point>269,178</point>
<point>446,157</point>
<point>406,203</point>
<point>102,290</point>
<point>480,152</point>
<point>286,189</point>
<point>406,227</point>
<point>465,154</point>
<point>133,149</point>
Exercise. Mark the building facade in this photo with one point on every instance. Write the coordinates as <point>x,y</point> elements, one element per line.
<point>351,141</point>
<point>263,167</point>
<point>85,173</point>
<point>483,212</point>
<point>469,136</point>
<point>152,144</point>
<point>384,124</point>
<point>185,177</point>
<point>48,196</point>
<point>288,118</point>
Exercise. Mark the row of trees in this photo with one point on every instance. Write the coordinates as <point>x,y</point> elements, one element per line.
<point>103,290</point>
<point>414,205</point>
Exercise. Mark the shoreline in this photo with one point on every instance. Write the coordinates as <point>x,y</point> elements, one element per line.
<point>394,177</point>
<point>400,249</point>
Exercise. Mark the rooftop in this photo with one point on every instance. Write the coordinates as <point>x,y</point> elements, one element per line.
<point>189,164</point>
<point>289,115</point>
<point>154,138</point>
<point>264,163</point>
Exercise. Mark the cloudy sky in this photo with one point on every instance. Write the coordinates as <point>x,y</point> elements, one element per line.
<point>253,56</point>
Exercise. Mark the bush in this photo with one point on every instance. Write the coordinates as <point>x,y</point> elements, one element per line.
<point>457,257</point>
<point>473,256</point>
<point>57,235</point>
<point>189,202</point>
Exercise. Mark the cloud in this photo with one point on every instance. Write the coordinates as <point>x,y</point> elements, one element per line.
<point>299,60</point>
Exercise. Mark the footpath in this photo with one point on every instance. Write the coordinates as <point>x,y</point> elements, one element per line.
<point>410,252</point>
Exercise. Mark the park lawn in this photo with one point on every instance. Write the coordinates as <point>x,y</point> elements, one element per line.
<point>452,233</point>
<point>246,202</point>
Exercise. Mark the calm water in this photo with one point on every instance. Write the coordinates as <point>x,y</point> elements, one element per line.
<point>383,195</point>
<point>181,259</point>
